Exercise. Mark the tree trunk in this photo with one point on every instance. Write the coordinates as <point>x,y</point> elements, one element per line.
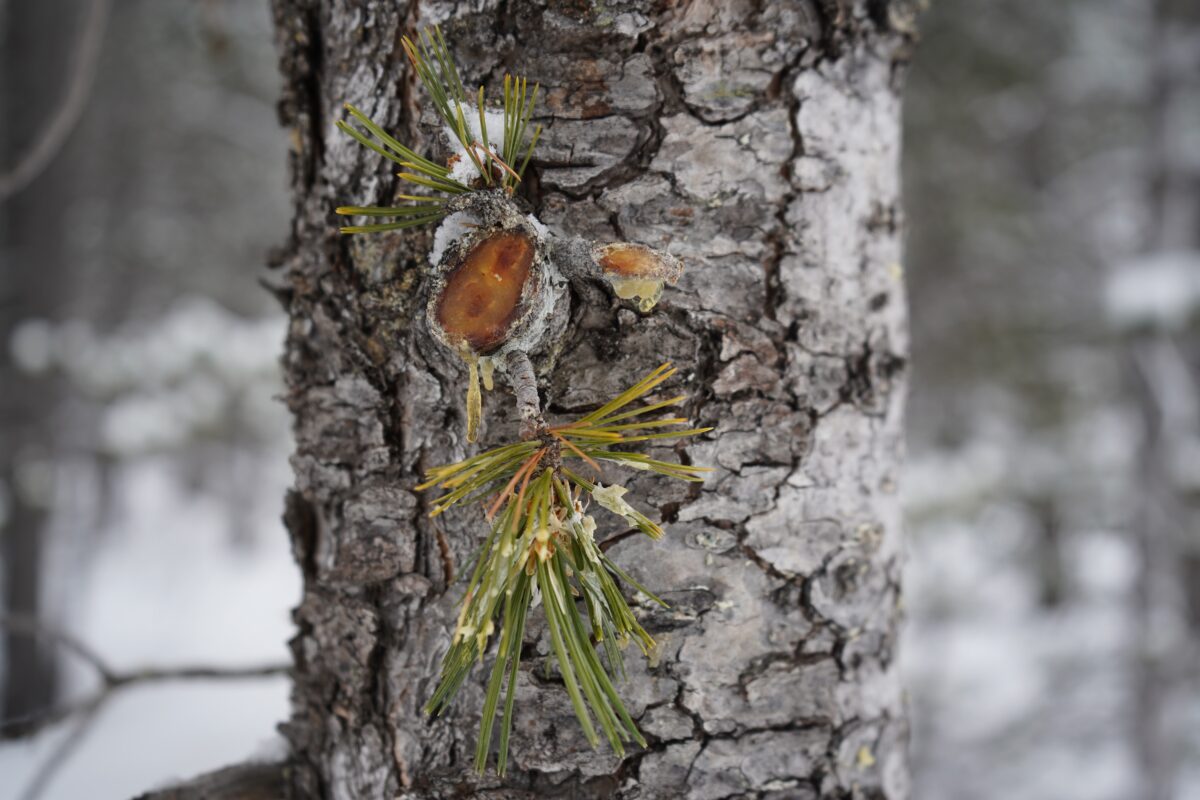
<point>759,143</point>
<point>35,280</point>
<point>1166,391</point>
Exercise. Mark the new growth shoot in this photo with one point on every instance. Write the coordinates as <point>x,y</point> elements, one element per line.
<point>541,542</point>
<point>497,156</point>
<point>498,295</point>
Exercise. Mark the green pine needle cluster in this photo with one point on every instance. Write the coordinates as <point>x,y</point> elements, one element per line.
<point>498,163</point>
<point>541,543</point>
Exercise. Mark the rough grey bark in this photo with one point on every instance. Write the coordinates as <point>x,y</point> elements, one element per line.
<point>247,781</point>
<point>756,141</point>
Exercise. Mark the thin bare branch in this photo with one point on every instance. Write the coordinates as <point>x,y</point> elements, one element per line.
<point>29,625</point>
<point>62,752</point>
<point>48,142</point>
<point>111,680</point>
<point>88,708</point>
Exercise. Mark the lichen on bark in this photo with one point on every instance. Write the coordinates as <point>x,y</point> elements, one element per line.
<point>758,144</point>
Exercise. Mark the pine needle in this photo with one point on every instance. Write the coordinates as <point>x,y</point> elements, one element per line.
<point>435,67</point>
<point>540,539</point>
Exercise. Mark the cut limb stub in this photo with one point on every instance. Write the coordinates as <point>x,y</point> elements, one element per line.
<point>635,270</point>
<point>492,295</point>
<point>482,297</point>
<point>499,296</point>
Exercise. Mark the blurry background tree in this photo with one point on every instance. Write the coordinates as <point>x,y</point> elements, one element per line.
<point>142,448</point>
<point>1052,154</point>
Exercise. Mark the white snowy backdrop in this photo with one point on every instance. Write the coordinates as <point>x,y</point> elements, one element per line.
<point>145,442</point>
<point>1052,170</point>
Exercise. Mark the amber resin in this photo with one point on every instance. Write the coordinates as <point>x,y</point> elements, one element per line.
<point>630,260</point>
<point>482,297</point>
<point>635,270</point>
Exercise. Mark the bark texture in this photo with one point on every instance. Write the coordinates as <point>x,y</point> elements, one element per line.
<point>756,141</point>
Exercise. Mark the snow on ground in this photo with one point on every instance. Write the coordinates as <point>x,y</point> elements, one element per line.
<point>174,554</point>
<point>1160,290</point>
<point>1015,694</point>
<point>150,736</point>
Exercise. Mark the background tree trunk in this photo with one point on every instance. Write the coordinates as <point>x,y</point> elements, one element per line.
<point>759,143</point>
<point>33,38</point>
<point>1164,365</point>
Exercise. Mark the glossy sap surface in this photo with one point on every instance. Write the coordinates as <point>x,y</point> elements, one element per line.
<point>630,261</point>
<point>482,296</point>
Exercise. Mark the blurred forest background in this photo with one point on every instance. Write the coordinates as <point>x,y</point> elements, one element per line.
<point>1053,203</point>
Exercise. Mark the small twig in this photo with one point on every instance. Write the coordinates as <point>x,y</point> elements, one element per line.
<point>88,708</point>
<point>28,725</point>
<point>39,629</point>
<point>160,674</point>
<point>524,385</point>
<point>62,752</point>
<point>48,142</point>
<point>111,680</point>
